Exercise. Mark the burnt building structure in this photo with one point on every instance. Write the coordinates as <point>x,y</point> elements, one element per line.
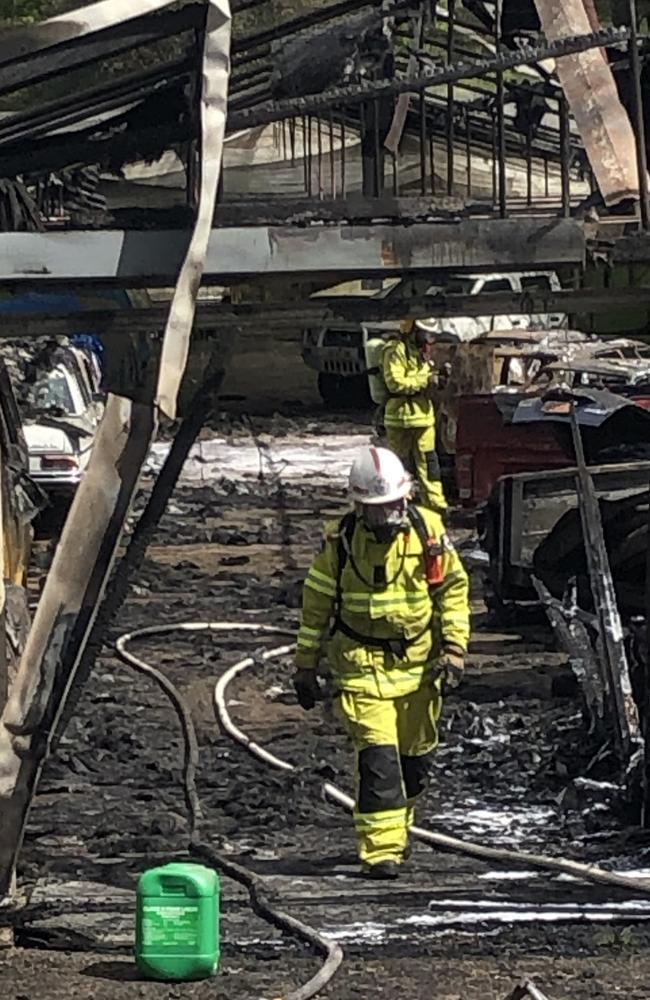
<point>364,140</point>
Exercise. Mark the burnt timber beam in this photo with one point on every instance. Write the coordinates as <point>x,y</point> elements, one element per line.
<point>66,611</point>
<point>153,258</point>
<point>601,119</point>
<point>117,591</point>
<point>573,636</point>
<point>611,647</point>
<point>257,211</point>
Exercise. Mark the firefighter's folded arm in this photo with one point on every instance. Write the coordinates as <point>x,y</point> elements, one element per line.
<point>397,375</point>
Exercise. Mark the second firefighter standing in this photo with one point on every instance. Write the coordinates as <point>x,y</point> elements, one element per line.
<point>409,416</point>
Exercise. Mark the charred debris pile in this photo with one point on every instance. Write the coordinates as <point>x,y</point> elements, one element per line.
<point>573,535</point>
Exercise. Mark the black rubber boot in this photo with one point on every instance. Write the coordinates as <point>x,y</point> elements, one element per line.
<point>384,870</point>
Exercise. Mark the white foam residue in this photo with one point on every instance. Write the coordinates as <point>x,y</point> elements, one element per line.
<point>450,911</point>
<point>553,914</point>
<point>634,873</point>
<point>454,913</point>
<point>358,932</point>
<point>318,458</point>
<point>508,876</point>
<point>504,826</point>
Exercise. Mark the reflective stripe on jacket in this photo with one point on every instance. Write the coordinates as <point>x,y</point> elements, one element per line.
<point>402,607</point>
<point>406,376</point>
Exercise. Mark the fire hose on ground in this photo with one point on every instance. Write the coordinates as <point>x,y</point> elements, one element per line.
<point>330,950</point>
<point>255,886</point>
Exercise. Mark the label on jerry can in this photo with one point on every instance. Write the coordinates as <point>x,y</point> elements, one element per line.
<point>171,925</point>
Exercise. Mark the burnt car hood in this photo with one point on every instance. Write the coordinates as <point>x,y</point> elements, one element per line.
<point>614,429</point>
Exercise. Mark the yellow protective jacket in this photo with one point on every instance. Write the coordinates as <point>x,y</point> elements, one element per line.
<point>400,606</point>
<point>406,376</point>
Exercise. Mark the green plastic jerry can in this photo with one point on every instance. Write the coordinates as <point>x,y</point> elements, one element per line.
<point>177,922</point>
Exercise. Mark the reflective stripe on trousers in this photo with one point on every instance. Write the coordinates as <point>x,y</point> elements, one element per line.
<point>392,738</point>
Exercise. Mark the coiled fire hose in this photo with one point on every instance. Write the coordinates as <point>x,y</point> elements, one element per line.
<point>331,951</point>
<point>586,872</point>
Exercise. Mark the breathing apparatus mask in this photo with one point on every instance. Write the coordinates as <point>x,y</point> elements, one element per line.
<point>425,340</point>
<point>384,520</point>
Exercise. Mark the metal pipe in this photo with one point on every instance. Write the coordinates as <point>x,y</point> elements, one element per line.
<point>366,186</point>
<point>451,12</point>
<point>332,164</point>
<point>343,155</point>
<point>546,178</point>
<point>423,145</point>
<point>468,151</point>
<point>303,123</point>
<point>292,139</point>
<point>319,149</point>
<point>501,139</point>
<point>645,720</point>
<point>639,123</point>
<point>378,156</point>
<point>565,155</point>
<point>310,179</point>
<point>493,136</point>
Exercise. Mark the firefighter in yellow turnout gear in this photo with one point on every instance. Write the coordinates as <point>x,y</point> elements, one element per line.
<point>389,596</point>
<point>409,417</point>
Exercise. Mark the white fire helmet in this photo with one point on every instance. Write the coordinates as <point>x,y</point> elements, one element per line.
<point>377,476</point>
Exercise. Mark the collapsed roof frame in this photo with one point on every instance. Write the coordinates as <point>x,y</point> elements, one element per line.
<point>28,146</point>
<point>450,117</point>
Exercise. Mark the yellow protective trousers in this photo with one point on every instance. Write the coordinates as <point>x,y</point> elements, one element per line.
<point>416,446</point>
<point>392,738</point>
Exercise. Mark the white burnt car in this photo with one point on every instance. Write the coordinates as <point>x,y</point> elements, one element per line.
<point>60,431</point>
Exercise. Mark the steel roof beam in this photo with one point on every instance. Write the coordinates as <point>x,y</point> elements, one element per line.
<point>136,257</point>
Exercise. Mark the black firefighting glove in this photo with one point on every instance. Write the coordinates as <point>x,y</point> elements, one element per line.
<point>305,683</point>
<point>451,664</point>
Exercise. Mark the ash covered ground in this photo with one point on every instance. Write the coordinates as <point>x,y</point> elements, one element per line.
<point>234,545</point>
